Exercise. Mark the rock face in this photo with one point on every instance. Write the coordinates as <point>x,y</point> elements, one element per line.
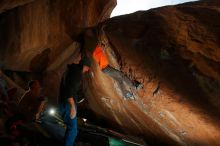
<point>37,36</point>
<point>9,4</point>
<point>174,52</point>
<point>42,29</point>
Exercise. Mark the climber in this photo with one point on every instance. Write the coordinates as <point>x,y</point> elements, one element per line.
<point>69,87</point>
<point>120,77</point>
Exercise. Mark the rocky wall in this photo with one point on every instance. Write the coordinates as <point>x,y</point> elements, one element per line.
<point>174,52</point>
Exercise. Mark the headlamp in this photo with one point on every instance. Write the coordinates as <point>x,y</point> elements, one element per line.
<point>52,112</point>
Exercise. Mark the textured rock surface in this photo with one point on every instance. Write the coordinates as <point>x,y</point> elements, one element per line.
<point>9,4</point>
<point>40,35</point>
<point>28,31</point>
<point>174,52</point>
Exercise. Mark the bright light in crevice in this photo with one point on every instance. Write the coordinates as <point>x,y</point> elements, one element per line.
<point>84,119</point>
<point>52,111</point>
<point>130,6</point>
